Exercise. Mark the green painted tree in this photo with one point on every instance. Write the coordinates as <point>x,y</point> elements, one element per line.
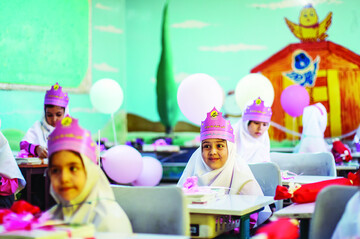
<point>166,87</point>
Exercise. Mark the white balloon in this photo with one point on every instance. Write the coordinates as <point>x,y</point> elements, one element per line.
<point>106,96</point>
<point>251,87</point>
<point>197,95</point>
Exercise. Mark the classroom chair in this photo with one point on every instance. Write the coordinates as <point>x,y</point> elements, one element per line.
<point>329,206</point>
<point>322,164</point>
<point>268,176</point>
<point>156,210</point>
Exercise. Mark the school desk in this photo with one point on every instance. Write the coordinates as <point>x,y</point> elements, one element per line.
<point>214,217</point>
<point>303,212</point>
<point>109,235</point>
<point>304,179</point>
<point>28,170</point>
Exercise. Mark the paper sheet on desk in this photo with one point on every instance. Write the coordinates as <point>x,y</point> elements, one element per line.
<point>33,161</point>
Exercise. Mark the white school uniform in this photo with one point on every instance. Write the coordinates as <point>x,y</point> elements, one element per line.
<point>8,165</point>
<point>314,125</point>
<point>96,204</point>
<point>235,174</point>
<point>252,150</point>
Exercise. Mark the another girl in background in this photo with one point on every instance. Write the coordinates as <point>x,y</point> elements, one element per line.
<point>314,125</point>
<point>251,133</point>
<point>79,186</point>
<point>34,143</point>
<point>216,163</point>
<point>11,179</point>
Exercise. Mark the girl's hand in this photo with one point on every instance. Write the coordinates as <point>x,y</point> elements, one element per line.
<point>41,151</point>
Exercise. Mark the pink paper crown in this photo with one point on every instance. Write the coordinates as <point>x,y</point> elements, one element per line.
<point>215,126</point>
<point>258,112</point>
<point>55,96</point>
<point>68,135</point>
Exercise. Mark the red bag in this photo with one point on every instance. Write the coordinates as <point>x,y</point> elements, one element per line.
<point>340,152</point>
<point>283,228</point>
<point>307,192</point>
<point>22,206</point>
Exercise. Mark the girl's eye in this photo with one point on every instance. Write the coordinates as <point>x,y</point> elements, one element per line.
<point>54,171</point>
<point>58,114</point>
<point>220,145</point>
<point>73,169</point>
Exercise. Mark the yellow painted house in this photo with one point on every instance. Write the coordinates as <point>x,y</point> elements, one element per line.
<point>337,86</point>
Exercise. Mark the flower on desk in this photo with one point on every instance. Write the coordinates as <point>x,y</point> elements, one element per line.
<point>191,185</point>
<point>22,215</point>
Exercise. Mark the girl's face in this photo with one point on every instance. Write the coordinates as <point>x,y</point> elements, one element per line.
<point>67,174</point>
<point>214,152</point>
<point>257,128</point>
<point>54,114</point>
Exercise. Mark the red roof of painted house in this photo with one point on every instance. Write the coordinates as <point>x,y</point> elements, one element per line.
<point>315,46</point>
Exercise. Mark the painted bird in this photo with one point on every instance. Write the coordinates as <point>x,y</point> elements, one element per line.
<point>309,29</point>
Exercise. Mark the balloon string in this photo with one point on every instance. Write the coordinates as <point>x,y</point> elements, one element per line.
<point>282,128</point>
<point>114,130</point>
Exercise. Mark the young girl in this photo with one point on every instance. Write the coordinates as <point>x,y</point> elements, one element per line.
<point>314,125</point>
<point>11,179</point>
<point>251,133</point>
<point>80,188</point>
<point>34,143</point>
<point>216,163</point>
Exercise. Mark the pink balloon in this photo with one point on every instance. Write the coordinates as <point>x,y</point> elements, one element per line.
<point>151,173</point>
<point>294,99</point>
<point>197,95</point>
<point>122,163</point>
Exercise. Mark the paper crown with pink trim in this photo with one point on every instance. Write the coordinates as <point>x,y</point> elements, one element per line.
<point>215,126</point>
<point>257,112</point>
<point>55,96</point>
<point>68,135</point>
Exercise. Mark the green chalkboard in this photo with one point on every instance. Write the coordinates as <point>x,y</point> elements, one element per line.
<point>44,41</point>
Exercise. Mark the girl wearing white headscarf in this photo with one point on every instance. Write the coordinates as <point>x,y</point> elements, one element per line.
<point>251,133</point>
<point>34,143</point>
<point>78,185</point>
<point>223,169</point>
<point>314,126</point>
<point>349,224</point>
<point>11,178</point>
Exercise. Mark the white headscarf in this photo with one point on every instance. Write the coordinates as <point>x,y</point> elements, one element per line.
<point>96,204</point>
<point>235,174</point>
<point>251,149</point>
<point>357,136</point>
<point>8,165</point>
<point>314,125</point>
<point>349,224</point>
<point>38,133</point>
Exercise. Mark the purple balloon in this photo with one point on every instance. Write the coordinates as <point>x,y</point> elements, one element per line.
<point>122,163</point>
<point>151,173</point>
<point>294,99</point>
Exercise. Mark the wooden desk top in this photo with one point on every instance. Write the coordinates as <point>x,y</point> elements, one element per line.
<point>25,165</point>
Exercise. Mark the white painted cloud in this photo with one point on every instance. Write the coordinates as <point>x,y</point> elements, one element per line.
<point>233,48</point>
<point>110,28</point>
<point>190,24</point>
<point>105,67</point>
<point>293,3</point>
<point>99,5</point>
